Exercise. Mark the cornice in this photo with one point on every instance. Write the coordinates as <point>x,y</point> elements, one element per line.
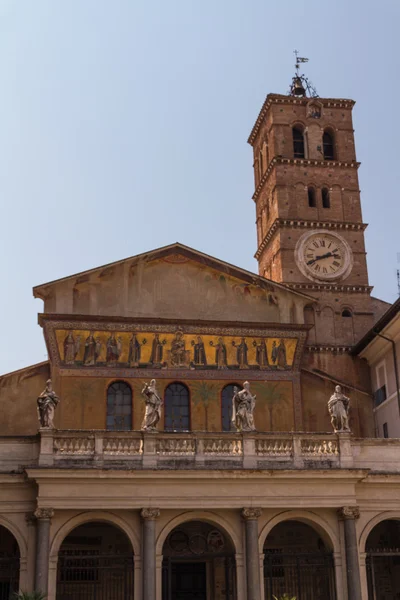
<point>331,287</point>
<point>302,162</point>
<point>302,224</point>
<point>328,348</point>
<point>282,99</point>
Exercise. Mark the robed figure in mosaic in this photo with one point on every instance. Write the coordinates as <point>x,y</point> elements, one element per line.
<point>153,403</point>
<point>92,350</point>
<point>262,354</point>
<point>200,357</point>
<point>243,404</point>
<point>221,354</point>
<point>71,348</point>
<point>338,406</point>
<point>46,405</point>
<point>135,351</point>
<point>156,351</point>
<point>241,354</point>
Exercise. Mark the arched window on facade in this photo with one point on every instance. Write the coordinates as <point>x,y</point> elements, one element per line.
<point>346,313</point>
<point>226,405</point>
<point>328,144</point>
<point>326,200</point>
<point>298,142</point>
<point>177,407</point>
<point>312,199</point>
<point>119,407</point>
<point>261,165</point>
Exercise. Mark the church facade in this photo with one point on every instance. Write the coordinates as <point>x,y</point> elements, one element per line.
<point>187,451</point>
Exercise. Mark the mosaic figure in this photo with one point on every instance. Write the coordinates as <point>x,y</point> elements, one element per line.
<point>114,349</point>
<point>262,354</point>
<point>199,352</point>
<point>92,350</point>
<point>178,354</point>
<point>135,351</point>
<point>71,348</point>
<point>241,354</point>
<point>221,354</point>
<point>156,356</point>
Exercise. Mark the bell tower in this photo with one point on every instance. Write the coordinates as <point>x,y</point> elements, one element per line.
<point>310,232</point>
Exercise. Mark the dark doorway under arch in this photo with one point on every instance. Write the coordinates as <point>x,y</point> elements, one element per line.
<point>95,562</point>
<point>297,562</point>
<point>9,564</point>
<point>383,561</point>
<point>198,560</point>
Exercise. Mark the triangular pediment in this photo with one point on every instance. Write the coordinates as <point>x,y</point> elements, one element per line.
<point>174,282</point>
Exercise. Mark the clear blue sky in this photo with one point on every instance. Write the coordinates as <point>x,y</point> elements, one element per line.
<point>124,127</point>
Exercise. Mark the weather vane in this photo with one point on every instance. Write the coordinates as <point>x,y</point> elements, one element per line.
<point>301,85</point>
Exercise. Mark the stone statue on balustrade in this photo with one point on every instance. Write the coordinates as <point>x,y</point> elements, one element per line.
<point>339,406</point>
<point>46,405</point>
<point>243,404</point>
<point>153,403</point>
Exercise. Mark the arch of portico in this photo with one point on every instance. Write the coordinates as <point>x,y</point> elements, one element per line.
<point>22,547</point>
<point>368,528</point>
<point>330,538</point>
<point>87,517</point>
<point>213,519</point>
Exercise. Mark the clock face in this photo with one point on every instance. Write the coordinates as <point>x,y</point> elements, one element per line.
<point>323,256</point>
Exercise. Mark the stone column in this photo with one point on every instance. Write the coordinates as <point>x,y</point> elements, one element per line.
<point>149,516</point>
<point>250,516</point>
<point>43,516</point>
<point>349,514</point>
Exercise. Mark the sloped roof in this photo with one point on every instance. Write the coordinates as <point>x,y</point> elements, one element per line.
<point>40,291</point>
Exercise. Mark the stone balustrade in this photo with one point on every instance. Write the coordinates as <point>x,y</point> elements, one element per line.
<point>194,449</point>
<point>227,450</point>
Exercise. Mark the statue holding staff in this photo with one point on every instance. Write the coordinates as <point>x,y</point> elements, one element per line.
<point>338,406</point>
<point>153,403</point>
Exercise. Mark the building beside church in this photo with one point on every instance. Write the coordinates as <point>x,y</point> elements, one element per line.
<point>101,506</point>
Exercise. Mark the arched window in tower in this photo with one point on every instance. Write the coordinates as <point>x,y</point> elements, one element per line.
<point>177,407</point>
<point>326,200</point>
<point>119,407</point>
<point>298,142</point>
<point>261,165</point>
<point>312,199</point>
<point>329,150</point>
<point>226,405</point>
<point>346,313</point>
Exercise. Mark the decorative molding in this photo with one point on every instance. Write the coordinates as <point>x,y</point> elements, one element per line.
<point>328,348</point>
<point>283,99</point>
<point>301,162</point>
<point>334,287</point>
<point>349,512</point>
<point>44,513</point>
<point>303,224</point>
<point>251,514</point>
<point>150,514</point>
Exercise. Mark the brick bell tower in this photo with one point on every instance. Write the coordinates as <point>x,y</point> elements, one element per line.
<point>310,233</point>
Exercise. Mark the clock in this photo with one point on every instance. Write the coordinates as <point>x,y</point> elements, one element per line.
<point>323,256</point>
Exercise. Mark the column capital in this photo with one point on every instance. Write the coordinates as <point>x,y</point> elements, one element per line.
<point>150,514</point>
<point>44,513</point>
<point>251,514</point>
<point>349,512</point>
<point>30,519</point>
